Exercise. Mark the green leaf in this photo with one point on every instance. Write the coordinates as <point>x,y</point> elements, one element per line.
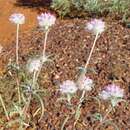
<point>97,116</point>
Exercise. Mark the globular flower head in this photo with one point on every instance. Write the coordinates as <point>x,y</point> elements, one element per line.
<point>34,65</point>
<point>85,83</point>
<point>113,93</point>
<point>96,26</point>
<point>46,20</point>
<point>17,18</point>
<point>68,87</point>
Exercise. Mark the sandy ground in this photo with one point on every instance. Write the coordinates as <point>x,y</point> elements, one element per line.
<point>7,29</point>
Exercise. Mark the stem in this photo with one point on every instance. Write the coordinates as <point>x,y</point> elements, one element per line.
<point>36,112</point>
<point>42,106</point>
<point>25,109</point>
<point>34,79</point>
<point>103,120</point>
<point>17,44</point>
<point>87,63</point>
<point>69,99</point>
<point>82,96</point>
<point>88,60</point>
<point>110,109</point>
<point>3,105</point>
<point>65,121</point>
<point>17,61</point>
<point>77,116</point>
<point>18,85</point>
<point>45,42</point>
<point>43,53</point>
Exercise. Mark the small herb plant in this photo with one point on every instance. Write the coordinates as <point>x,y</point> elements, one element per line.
<point>62,7</point>
<point>113,94</point>
<point>29,88</point>
<point>97,7</point>
<point>119,6</point>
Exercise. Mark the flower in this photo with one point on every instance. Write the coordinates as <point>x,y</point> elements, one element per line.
<point>96,26</point>
<point>17,18</point>
<point>104,95</point>
<point>85,83</point>
<point>34,65</point>
<point>46,20</point>
<point>68,86</point>
<point>113,93</point>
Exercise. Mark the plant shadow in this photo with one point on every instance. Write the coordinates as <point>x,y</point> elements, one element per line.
<point>33,3</point>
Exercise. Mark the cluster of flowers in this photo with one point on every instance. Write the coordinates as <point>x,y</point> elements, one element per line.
<point>45,20</point>
<point>96,26</point>
<point>111,92</point>
<point>71,87</point>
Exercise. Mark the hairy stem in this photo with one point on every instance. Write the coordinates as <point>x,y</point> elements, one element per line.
<point>26,107</point>
<point>42,106</point>
<point>69,99</point>
<point>17,61</point>
<point>3,105</point>
<point>17,45</point>
<point>65,121</point>
<point>90,54</point>
<point>77,115</point>
<point>18,87</point>
<point>45,42</point>
<point>34,80</point>
<point>43,53</point>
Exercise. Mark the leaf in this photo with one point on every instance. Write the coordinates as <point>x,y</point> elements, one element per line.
<point>78,113</point>
<point>97,116</point>
<point>42,106</point>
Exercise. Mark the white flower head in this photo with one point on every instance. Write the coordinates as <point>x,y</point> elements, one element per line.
<point>46,20</point>
<point>85,83</point>
<point>68,87</point>
<point>113,93</point>
<point>104,95</point>
<point>96,26</point>
<point>17,18</point>
<point>34,65</point>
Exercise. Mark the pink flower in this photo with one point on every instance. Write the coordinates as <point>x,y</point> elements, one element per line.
<point>46,20</point>
<point>96,26</point>
<point>112,91</point>
<point>17,18</point>
<point>68,87</point>
<point>85,83</point>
